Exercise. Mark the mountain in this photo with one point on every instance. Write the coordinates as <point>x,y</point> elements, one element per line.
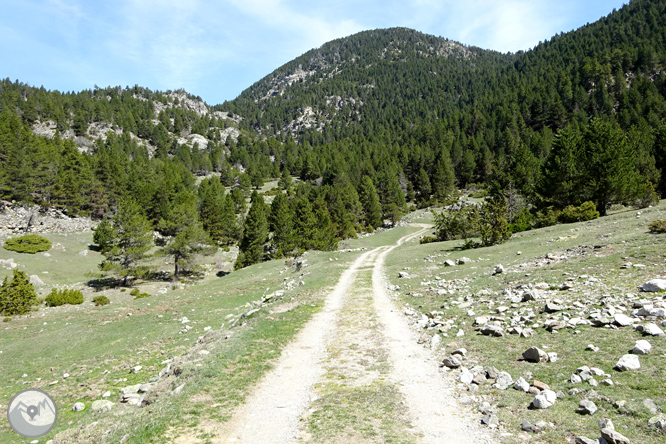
<point>374,78</point>
<point>368,123</point>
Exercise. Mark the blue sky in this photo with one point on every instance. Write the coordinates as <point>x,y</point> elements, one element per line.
<point>217,48</point>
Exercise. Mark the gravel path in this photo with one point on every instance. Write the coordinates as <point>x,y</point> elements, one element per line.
<point>275,412</point>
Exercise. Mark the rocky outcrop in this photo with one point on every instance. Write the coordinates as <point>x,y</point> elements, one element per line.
<point>16,218</point>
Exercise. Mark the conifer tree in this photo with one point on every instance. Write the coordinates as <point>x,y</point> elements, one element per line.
<point>443,178</point>
<point>325,239</point>
<point>282,225</point>
<point>133,238</point>
<point>305,222</point>
<point>255,234</point>
<point>211,195</point>
<point>18,296</point>
<point>187,236</point>
<point>372,211</point>
<point>285,181</point>
<point>103,236</point>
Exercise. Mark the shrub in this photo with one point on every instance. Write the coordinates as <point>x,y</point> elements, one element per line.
<point>30,243</point>
<point>545,218</point>
<point>427,239</point>
<point>586,211</point>
<point>460,224</point>
<point>657,226</point>
<point>522,221</point>
<point>647,196</point>
<point>61,297</point>
<point>142,295</point>
<point>493,221</point>
<point>134,292</point>
<point>17,297</point>
<point>101,300</point>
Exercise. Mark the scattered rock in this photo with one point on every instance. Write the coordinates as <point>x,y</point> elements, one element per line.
<point>622,320</point>
<point>403,275</point>
<point>36,281</point>
<point>491,420</point>
<point>655,285</point>
<point>584,440</point>
<point>651,406</point>
<point>614,437</point>
<point>650,330</point>
<point>641,347</point>
<point>627,363</point>
<point>540,385</point>
<point>606,423</point>
<point>451,362</point>
<point>544,400</point>
<point>466,377</point>
<point>498,270</point>
<point>101,406</point>
<point>552,307</point>
<point>492,330</point>
<point>503,381</point>
<point>522,385</point>
<point>79,407</point>
<point>534,354</point>
<point>178,390</point>
<point>449,263</point>
<point>592,347</point>
<point>586,407</point>
<point>658,421</point>
<point>136,369</point>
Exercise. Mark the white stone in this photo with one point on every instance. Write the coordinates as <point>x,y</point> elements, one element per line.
<point>78,407</point>
<point>654,285</point>
<point>627,363</point>
<point>623,320</point>
<point>641,347</point>
<point>466,377</point>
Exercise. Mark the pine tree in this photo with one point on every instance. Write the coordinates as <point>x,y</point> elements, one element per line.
<point>187,236</point>
<point>422,187</point>
<point>372,211</point>
<point>212,201</point>
<point>18,296</point>
<point>305,222</point>
<point>285,181</point>
<point>282,225</point>
<point>132,241</point>
<point>104,235</point>
<point>325,239</point>
<point>610,167</point>
<point>255,234</point>
<point>443,178</point>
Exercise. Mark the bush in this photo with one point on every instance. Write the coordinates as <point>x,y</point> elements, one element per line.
<point>134,292</point>
<point>427,239</point>
<point>545,218</point>
<point>586,211</point>
<point>522,221</point>
<point>17,297</point>
<point>30,243</point>
<point>61,297</point>
<point>101,300</point>
<point>460,224</point>
<point>657,226</point>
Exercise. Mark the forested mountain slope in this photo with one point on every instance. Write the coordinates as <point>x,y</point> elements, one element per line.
<point>369,123</point>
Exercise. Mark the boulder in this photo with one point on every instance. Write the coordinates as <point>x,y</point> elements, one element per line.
<point>552,307</point>
<point>534,354</point>
<point>499,269</point>
<point>522,385</point>
<point>627,363</point>
<point>584,440</point>
<point>36,281</point>
<point>503,381</point>
<point>79,407</point>
<point>658,421</point>
<point>544,400</point>
<point>449,263</point>
<point>466,377</point>
<point>622,320</point>
<point>655,285</point>
<point>492,330</point>
<point>613,437</point>
<point>491,420</point>
<point>451,362</point>
<point>650,330</point>
<point>586,407</point>
<point>641,347</point>
<point>101,406</point>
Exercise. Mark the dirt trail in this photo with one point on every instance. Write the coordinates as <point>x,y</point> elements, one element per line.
<point>271,414</point>
<point>427,393</point>
<point>358,342</point>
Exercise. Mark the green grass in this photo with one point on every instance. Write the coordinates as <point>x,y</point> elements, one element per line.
<point>98,345</point>
<point>611,241</point>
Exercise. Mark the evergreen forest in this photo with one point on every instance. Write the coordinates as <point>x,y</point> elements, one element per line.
<point>356,133</point>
